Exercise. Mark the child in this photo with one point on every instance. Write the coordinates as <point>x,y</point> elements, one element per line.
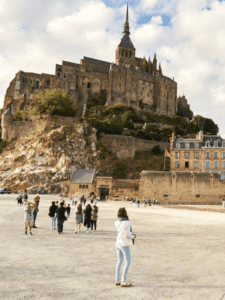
<point>79,218</point>
<point>94,217</point>
<point>68,210</point>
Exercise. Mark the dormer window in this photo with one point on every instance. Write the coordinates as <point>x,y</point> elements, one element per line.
<point>207,144</point>
<point>216,144</point>
<point>223,144</point>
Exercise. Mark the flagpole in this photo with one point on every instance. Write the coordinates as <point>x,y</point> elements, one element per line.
<point>164,159</point>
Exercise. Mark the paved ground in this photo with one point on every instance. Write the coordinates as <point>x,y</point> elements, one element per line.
<point>179,254</point>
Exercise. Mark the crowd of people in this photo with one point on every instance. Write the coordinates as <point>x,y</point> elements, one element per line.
<point>88,216</point>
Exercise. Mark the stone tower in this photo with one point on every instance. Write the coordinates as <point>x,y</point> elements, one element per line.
<point>125,51</point>
<point>7,120</point>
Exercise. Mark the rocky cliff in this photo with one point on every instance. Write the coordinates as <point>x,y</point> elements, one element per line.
<point>46,160</point>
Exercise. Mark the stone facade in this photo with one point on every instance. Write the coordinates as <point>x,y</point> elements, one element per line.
<point>182,187</point>
<point>125,146</point>
<point>127,81</point>
<point>115,188</point>
<point>206,153</point>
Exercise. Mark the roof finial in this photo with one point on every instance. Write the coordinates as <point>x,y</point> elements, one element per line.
<point>126,24</point>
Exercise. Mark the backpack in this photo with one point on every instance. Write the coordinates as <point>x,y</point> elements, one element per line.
<point>126,242</point>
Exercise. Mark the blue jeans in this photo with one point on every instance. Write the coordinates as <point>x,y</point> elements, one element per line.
<point>122,252</point>
<point>53,222</point>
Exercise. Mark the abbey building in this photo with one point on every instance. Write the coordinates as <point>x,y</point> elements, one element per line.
<point>128,81</point>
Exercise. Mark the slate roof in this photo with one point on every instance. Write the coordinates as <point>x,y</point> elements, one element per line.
<point>83,176</point>
<point>101,62</point>
<point>211,138</point>
<point>126,42</point>
<point>8,112</point>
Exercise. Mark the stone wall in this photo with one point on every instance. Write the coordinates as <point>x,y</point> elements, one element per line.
<point>34,124</point>
<point>126,146</point>
<point>182,187</point>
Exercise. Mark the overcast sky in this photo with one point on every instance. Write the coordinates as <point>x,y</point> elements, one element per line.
<point>187,35</point>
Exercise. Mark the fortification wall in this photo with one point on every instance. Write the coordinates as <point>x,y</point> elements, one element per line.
<point>182,187</point>
<point>33,124</point>
<point>126,146</point>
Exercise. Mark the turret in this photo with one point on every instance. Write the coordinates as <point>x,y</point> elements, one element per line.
<point>154,64</point>
<point>7,120</point>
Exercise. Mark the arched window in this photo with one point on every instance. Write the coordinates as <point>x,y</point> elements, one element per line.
<point>126,53</point>
<point>88,85</point>
<point>207,164</point>
<point>37,84</point>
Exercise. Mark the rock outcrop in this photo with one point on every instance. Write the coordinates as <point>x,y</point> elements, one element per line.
<point>45,161</point>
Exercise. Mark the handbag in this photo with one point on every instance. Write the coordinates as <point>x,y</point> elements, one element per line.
<point>126,242</point>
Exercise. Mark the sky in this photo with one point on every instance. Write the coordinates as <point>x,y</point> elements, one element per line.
<point>187,36</point>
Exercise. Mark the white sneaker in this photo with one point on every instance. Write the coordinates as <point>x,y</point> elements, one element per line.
<point>86,231</point>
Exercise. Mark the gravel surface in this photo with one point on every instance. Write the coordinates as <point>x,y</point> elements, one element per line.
<point>178,254</point>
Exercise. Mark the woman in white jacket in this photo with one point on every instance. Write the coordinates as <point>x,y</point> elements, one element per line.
<point>124,240</point>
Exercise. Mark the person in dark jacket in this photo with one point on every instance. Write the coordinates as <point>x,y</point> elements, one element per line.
<point>52,211</point>
<point>68,210</point>
<point>87,218</point>
<point>35,209</point>
<point>60,215</point>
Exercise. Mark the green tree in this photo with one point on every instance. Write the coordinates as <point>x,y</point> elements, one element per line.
<point>55,103</point>
<point>156,150</point>
<point>120,170</point>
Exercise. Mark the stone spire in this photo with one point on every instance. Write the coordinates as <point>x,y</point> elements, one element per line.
<point>126,29</point>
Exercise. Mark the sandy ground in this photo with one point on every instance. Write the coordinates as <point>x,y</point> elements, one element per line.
<point>178,254</point>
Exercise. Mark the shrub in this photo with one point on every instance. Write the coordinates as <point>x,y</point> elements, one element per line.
<point>128,124</point>
<point>100,100</point>
<point>141,105</point>
<point>18,116</point>
<point>55,103</point>
<point>120,170</point>
<point>156,150</point>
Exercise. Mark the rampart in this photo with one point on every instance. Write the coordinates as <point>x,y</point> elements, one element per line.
<point>126,146</point>
<point>33,124</point>
<point>182,187</point>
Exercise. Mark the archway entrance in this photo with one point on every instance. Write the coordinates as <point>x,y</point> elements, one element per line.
<point>103,191</point>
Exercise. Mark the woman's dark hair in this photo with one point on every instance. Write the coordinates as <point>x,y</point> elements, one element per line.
<point>88,209</point>
<point>95,209</point>
<point>79,209</point>
<point>53,202</point>
<point>122,213</point>
<point>61,204</point>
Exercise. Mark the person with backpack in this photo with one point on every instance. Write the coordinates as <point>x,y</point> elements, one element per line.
<point>60,215</point>
<point>87,218</point>
<point>123,243</point>
<point>94,217</point>
<point>78,218</point>
<point>28,218</point>
<point>134,202</point>
<point>52,210</point>
<point>138,203</point>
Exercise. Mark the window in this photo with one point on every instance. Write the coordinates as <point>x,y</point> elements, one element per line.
<point>223,154</point>
<point>76,86</point>
<point>37,84</point>
<point>222,175</point>
<point>58,74</point>
<point>122,52</point>
<point>177,155</point>
<point>215,164</point>
<point>196,146</point>
<point>120,85</point>
<point>207,164</point>
<point>186,164</point>
<point>215,144</point>
<point>186,144</point>
<point>178,145</point>
<point>196,154</point>
<point>223,164</point>
<point>177,164</point>
<point>80,186</point>
<point>83,186</point>
<point>196,164</point>
<point>86,186</point>
<point>64,75</point>
<point>126,53</point>
<point>207,155</point>
<point>207,144</point>
<point>215,154</point>
<point>88,85</point>
<point>186,154</point>
<point>182,145</point>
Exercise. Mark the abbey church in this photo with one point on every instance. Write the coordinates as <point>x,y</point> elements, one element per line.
<point>128,81</point>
